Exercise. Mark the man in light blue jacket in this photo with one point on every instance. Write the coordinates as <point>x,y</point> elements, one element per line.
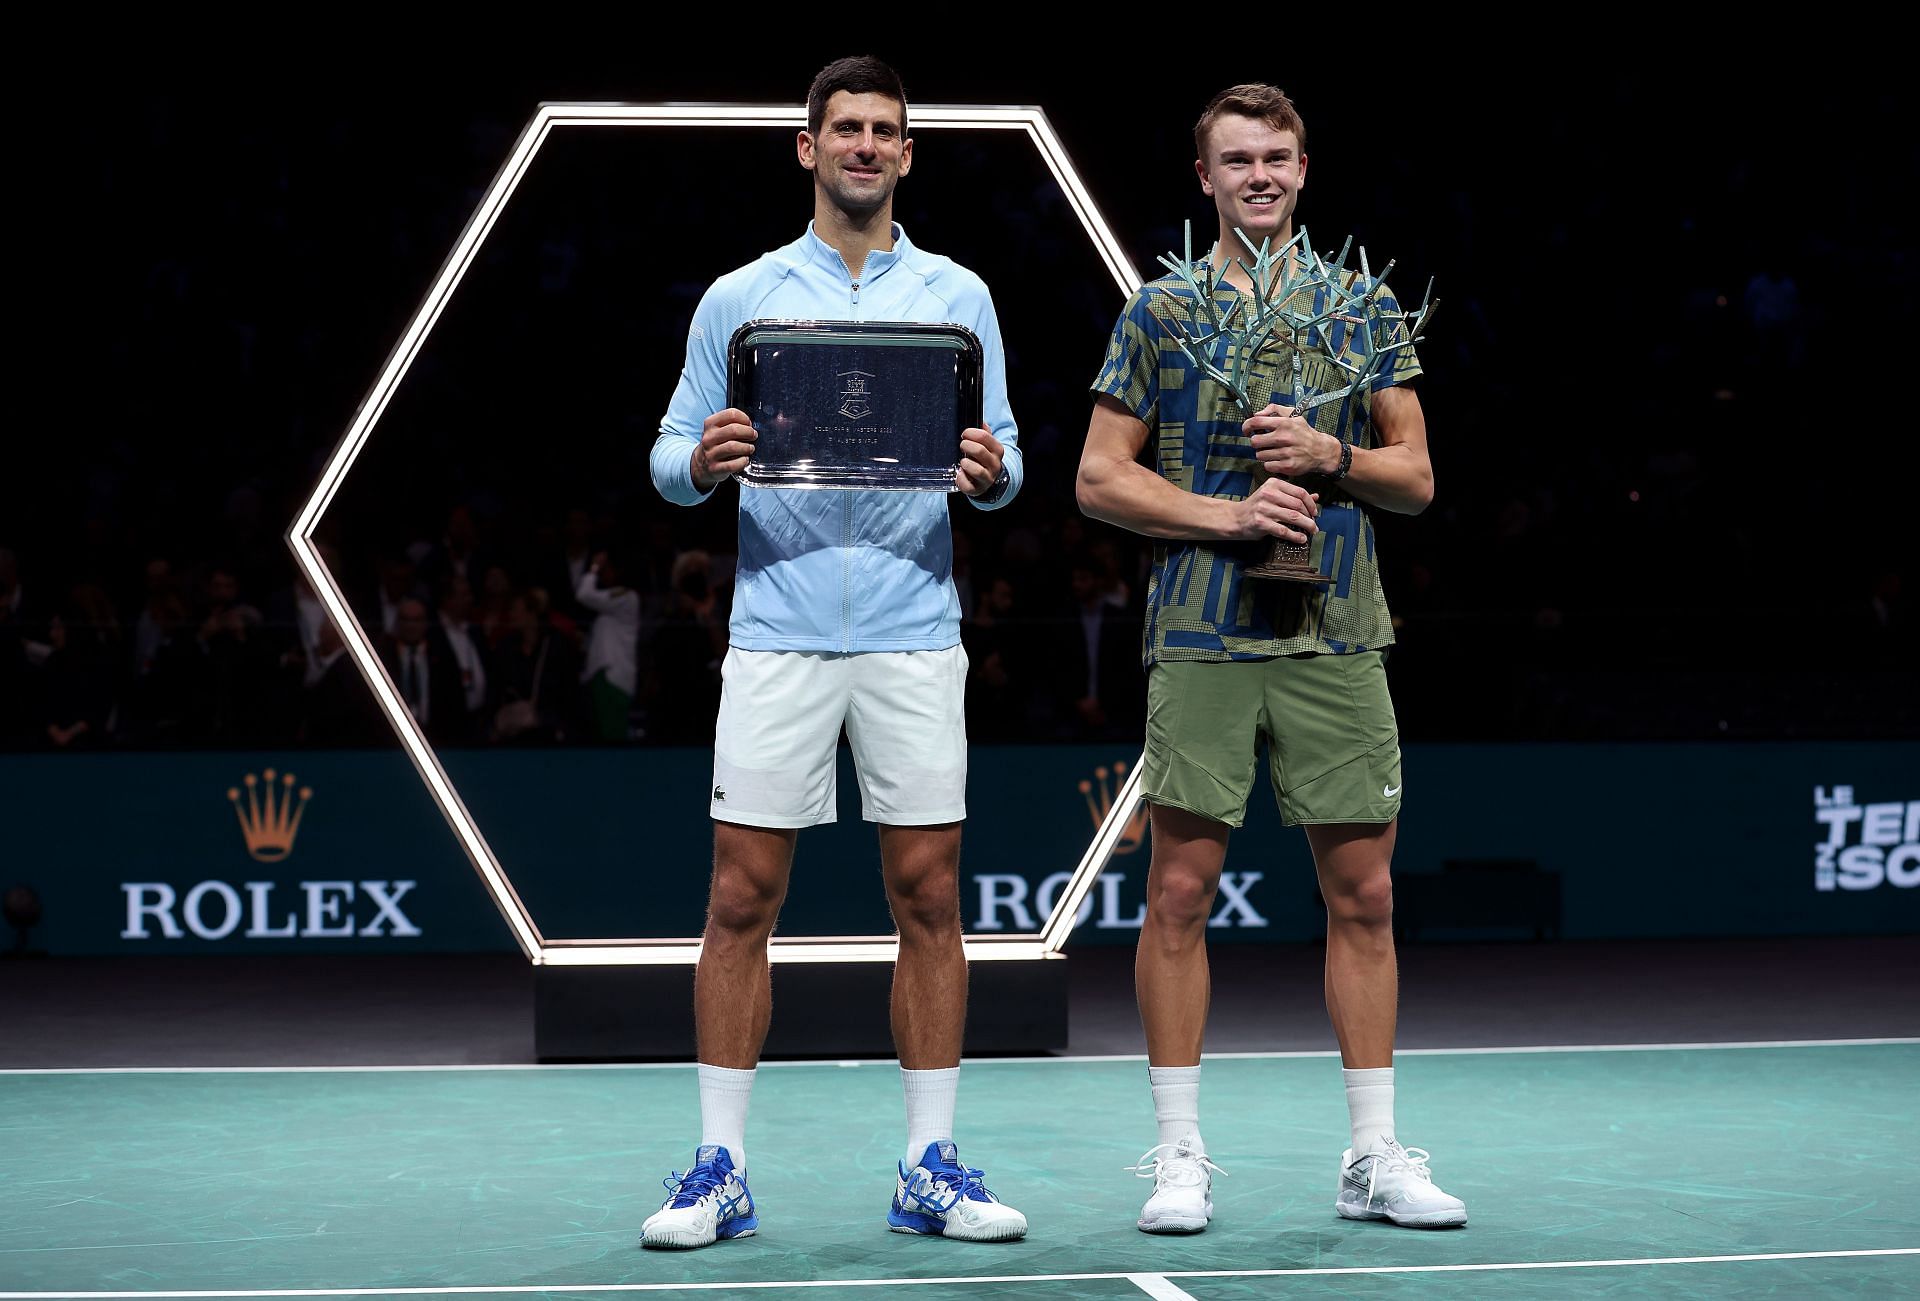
<point>844,614</point>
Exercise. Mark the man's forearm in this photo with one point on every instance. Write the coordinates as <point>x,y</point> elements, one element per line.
<point>1394,477</point>
<point>1128,494</point>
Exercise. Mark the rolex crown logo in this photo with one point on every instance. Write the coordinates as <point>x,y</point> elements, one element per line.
<point>1102,804</point>
<point>269,819</point>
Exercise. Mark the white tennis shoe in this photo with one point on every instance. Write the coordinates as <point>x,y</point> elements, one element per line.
<point>708,1204</point>
<point>1393,1183</point>
<point>943,1198</point>
<point>1182,1200</point>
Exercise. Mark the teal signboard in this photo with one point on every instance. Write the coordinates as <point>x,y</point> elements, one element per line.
<point>341,851</point>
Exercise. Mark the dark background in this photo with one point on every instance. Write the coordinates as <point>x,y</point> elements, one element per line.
<point>1675,475</point>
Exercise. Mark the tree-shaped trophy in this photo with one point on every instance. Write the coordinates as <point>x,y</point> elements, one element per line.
<point>1312,335</point>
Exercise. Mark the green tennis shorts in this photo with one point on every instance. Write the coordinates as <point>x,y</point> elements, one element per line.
<point>1333,747</point>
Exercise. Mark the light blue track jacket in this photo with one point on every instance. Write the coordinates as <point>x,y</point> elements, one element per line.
<point>831,569</point>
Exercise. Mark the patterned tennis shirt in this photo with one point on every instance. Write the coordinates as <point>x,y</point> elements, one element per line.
<point>1200,605</point>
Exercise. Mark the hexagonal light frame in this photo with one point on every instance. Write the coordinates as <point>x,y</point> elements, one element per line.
<point>540,950</point>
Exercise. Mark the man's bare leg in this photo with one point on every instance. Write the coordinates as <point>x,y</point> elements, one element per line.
<point>732,989</point>
<point>1354,861</point>
<point>1173,983</point>
<point>936,1194</point>
<point>1170,973</point>
<point>921,867</point>
<point>732,1004</point>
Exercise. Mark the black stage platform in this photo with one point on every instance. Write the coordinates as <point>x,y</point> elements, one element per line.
<point>295,1010</point>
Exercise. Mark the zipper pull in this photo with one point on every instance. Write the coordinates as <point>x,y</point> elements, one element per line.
<point>856,293</point>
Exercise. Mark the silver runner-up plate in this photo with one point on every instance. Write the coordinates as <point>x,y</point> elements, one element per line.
<point>855,404</point>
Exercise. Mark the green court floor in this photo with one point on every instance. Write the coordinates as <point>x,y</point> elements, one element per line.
<point>1693,1172</point>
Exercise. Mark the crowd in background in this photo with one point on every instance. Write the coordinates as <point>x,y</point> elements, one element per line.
<point>1662,510</point>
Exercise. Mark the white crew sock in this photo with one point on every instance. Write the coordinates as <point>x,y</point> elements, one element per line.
<point>1370,1107</point>
<point>930,1100</point>
<point>1176,1103</point>
<point>724,1094</point>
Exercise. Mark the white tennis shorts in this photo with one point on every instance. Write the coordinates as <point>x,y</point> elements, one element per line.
<point>775,743</point>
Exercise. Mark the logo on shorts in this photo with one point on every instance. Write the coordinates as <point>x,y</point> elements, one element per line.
<point>854,404</point>
<point>1098,808</point>
<point>1389,791</point>
<point>719,792</point>
<point>1885,848</point>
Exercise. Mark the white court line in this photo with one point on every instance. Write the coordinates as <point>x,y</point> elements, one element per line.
<point>954,1280</point>
<point>975,1061</point>
<point>1158,1288</point>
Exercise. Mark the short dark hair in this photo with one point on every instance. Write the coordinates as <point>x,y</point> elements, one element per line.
<point>861,75</point>
<point>1252,99</point>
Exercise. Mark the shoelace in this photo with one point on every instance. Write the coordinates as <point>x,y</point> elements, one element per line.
<point>1412,1160</point>
<point>689,1189</point>
<point>970,1182</point>
<point>1181,1169</point>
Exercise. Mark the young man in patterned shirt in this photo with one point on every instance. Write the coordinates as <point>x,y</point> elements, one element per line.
<point>1232,660</point>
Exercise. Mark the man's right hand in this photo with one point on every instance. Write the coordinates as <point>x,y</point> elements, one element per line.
<point>1277,509</point>
<point>726,444</point>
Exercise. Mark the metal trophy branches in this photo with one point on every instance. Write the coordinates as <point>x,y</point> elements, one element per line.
<point>1298,303</point>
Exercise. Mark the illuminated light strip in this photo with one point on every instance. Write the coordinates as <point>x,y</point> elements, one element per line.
<point>1060,924</point>
<point>415,744</point>
<point>963,1280</point>
<point>465,248</point>
<point>642,953</point>
<point>1039,131</point>
<point>1030,119</point>
<point>1118,263</point>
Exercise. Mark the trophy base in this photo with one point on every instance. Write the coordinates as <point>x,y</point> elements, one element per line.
<point>1289,562</point>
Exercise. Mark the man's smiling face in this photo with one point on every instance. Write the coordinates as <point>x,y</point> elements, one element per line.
<point>1254,174</point>
<point>861,152</point>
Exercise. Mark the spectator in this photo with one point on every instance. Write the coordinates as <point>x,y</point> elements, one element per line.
<point>457,554</point>
<point>687,650</point>
<point>456,632</point>
<point>536,671</point>
<point>159,602</point>
<point>494,620</point>
<point>999,695</point>
<point>1097,687</point>
<point>423,671</point>
<point>338,708</point>
<point>77,684</point>
<point>239,660</point>
<point>562,572</point>
<point>167,700</point>
<point>612,668</point>
<point>398,583</point>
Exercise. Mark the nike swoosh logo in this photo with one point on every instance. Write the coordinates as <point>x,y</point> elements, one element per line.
<point>1389,791</point>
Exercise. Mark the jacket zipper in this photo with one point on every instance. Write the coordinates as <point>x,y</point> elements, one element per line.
<point>846,531</point>
<point>846,571</point>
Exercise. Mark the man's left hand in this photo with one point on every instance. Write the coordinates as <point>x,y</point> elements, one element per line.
<point>1286,444</point>
<point>980,457</point>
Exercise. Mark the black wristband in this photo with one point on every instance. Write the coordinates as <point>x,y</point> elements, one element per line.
<point>1346,461</point>
<point>998,488</point>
